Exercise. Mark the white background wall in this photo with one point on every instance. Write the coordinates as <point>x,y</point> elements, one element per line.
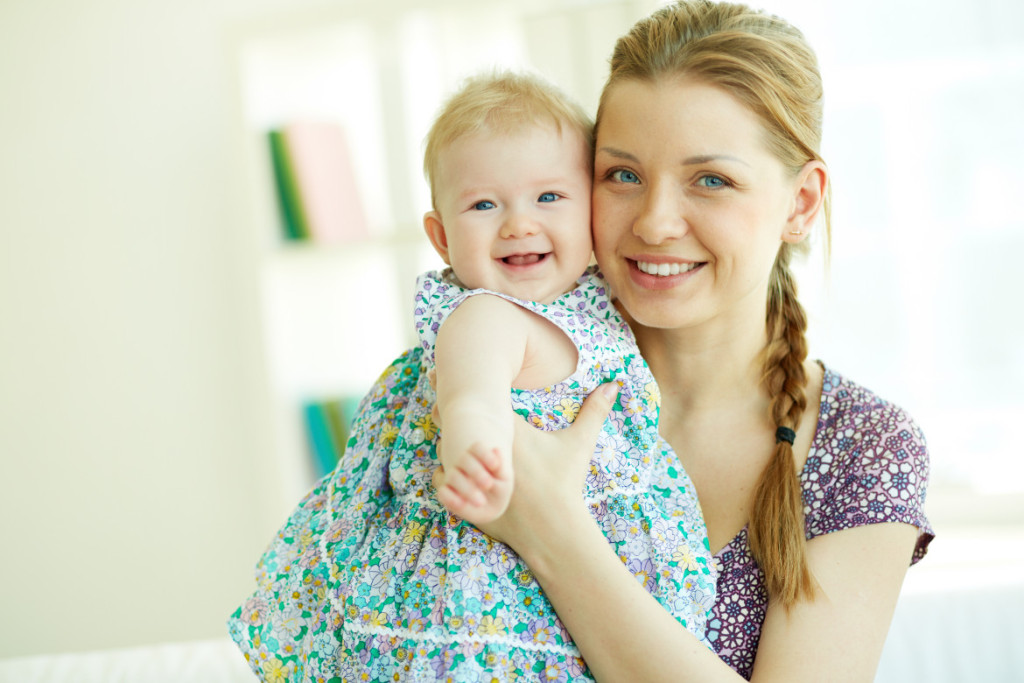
<point>134,456</point>
<point>137,483</point>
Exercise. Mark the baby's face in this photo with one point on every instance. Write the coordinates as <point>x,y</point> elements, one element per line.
<point>513,211</point>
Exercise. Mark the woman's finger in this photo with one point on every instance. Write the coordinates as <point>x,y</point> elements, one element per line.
<point>594,412</point>
<point>556,462</point>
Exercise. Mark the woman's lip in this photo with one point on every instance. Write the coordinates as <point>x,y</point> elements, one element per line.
<point>687,269</point>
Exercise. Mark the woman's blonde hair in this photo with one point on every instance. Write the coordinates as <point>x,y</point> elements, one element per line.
<point>766,64</point>
<point>503,102</point>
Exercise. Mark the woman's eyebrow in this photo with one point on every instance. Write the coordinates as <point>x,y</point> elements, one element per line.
<point>617,153</point>
<point>689,161</point>
<point>705,158</point>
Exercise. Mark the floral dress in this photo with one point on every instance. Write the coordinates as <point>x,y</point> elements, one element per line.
<point>372,579</point>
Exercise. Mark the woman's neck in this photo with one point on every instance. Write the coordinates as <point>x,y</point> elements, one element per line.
<point>697,370</point>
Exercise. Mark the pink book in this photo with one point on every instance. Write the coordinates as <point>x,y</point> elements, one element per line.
<point>326,180</point>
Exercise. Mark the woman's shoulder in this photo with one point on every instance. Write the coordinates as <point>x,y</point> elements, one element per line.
<point>850,412</point>
<point>868,463</point>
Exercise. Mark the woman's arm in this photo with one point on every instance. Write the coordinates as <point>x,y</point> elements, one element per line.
<point>859,573</point>
<point>622,631</point>
<point>624,634</point>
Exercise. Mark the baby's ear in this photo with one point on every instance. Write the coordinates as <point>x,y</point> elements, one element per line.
<point>434,228</point>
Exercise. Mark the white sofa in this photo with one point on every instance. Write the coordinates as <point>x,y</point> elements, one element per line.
<point>205,661</point>
<point>960,620</point>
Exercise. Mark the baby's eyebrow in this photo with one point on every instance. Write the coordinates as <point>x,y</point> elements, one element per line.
<point>472,193</point>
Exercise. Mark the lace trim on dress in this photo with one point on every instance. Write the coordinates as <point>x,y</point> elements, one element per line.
<point>459,639</point>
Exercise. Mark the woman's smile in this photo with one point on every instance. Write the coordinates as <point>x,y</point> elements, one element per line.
<point>662,275</point>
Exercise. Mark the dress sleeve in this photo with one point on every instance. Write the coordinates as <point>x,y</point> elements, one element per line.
<point>437,295</point>
<point>869,465</point>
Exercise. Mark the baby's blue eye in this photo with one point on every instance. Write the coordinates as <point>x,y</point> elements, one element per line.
<point>484,205</point>
<point>547,197</point>
<point>624,176</point>
<point>711,181</point>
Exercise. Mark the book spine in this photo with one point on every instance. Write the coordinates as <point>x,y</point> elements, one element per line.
<point>321,441</point>
<point>289,198</point>
<point>321,166</point>
<point>338,424</point>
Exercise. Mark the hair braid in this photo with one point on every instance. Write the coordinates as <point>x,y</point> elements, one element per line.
<point>776,525</point>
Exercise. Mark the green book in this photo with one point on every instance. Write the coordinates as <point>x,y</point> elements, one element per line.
<point>289,199</point>
<point>321,440</point>
<point>338,424</point>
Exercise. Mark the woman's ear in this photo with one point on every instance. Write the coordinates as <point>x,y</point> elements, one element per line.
<point>434,228</point>
<point>810,188</point>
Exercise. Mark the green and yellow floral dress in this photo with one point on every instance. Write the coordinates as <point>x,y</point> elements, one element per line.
<point>371,579</point>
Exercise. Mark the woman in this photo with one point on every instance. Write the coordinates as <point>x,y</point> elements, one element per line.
<point>708,181</point>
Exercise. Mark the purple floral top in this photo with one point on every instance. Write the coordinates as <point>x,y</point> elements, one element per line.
<point>868,464</point>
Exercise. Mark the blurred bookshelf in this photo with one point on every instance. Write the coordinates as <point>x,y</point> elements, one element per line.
<point>366,80</point>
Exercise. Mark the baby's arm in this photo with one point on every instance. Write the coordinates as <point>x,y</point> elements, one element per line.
<point>479,352</point>
<point>485,347</point>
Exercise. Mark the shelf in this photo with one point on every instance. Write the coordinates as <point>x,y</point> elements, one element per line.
<point>335,315</point>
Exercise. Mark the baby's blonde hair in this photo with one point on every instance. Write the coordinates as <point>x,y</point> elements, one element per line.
<point>503,102</point>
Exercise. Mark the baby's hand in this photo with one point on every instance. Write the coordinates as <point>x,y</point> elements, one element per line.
<point>478,486</point>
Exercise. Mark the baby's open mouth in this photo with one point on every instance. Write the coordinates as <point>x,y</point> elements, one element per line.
<point>524,259</point>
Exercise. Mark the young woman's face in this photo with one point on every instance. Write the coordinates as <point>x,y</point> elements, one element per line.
<point>689,206</point>
<point>513,211</point>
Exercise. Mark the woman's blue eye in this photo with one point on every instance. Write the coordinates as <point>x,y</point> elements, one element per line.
<point>484,205</point>
<point>624,176</point>
<point>711,181</point>
<point>547,197</point>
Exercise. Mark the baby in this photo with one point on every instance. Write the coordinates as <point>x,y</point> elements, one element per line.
<point>378,575</point>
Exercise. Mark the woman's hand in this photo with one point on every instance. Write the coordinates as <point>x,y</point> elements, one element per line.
<point>550,472</point>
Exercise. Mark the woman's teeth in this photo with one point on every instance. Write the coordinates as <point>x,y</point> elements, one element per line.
<point>664,269</point>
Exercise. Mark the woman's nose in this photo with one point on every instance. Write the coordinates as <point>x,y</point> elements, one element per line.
<point>661,216</point>
<point>518,224</point>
